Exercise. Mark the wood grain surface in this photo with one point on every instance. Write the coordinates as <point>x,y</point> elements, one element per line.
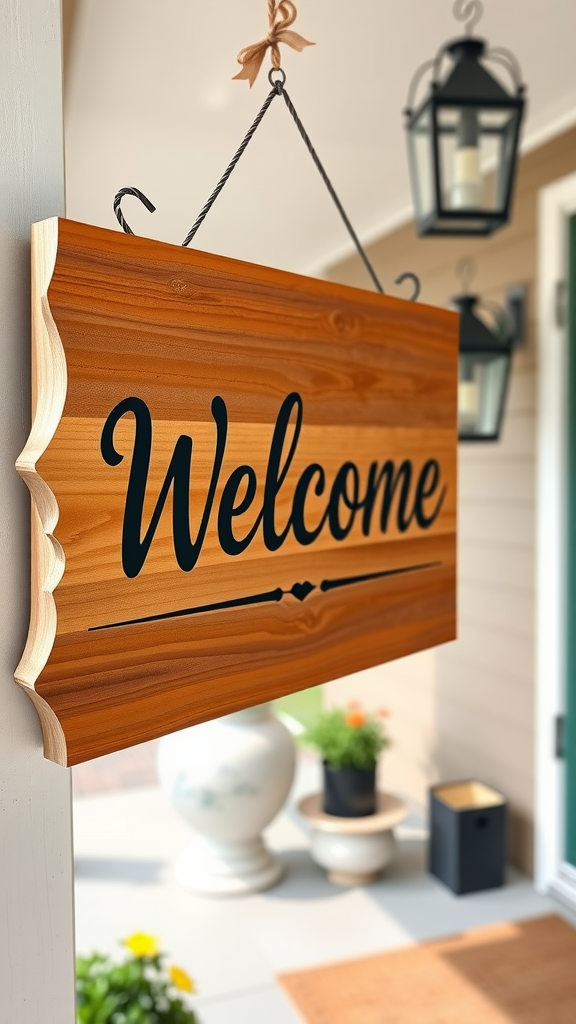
<point>315,580</point>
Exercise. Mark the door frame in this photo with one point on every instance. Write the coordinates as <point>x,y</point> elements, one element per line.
<point>557,203</point>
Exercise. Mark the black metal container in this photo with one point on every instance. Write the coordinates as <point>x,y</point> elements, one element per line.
<point>349,792</point>
<point>467,836</point>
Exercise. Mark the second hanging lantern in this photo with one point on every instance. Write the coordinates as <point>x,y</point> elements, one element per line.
<point>463,138</point>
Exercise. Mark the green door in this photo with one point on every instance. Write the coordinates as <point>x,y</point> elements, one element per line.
<point>570,723</point>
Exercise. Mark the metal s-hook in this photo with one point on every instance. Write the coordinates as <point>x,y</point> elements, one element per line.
<point>133,191</point>
<point>469,11</point>
<point>409,276</point>
<point>465,270</point>
<point>117,210</point>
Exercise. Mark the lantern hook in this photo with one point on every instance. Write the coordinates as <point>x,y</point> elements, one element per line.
<point>469,11</point>
<point>466,271</point>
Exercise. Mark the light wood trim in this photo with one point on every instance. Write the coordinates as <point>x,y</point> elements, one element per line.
<point>390,811</point>
<point>49,382</point>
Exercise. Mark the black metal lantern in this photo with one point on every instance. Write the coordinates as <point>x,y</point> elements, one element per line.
<point>463,138</point>
<point>484,369</point>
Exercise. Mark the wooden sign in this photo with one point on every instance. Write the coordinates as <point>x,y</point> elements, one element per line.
<point>243,483</point>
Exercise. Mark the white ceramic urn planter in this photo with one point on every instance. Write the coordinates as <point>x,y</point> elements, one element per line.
<point>228,778</point>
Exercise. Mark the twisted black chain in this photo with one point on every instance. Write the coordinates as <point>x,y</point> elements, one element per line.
<point>277,90</point>
<point>331,190</point>
<point>210,202</point>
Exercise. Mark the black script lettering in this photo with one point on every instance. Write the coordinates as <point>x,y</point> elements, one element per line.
<point>339,493</point>
<point>301,533</point>
<point>276,471</point>
<point>427,483</point>
<point>392,480</point>
<point>228,542</point>
<point>134,549</point>
<point>345,500</point>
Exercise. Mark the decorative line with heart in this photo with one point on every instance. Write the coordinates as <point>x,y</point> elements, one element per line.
<point>299,590</point>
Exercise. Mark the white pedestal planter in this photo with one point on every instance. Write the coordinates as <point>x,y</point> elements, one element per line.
<point>353,860</point>
<point>354,851</point>
<point>228,778</point>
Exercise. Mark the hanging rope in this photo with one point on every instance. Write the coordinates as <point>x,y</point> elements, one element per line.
<point>281,14</point>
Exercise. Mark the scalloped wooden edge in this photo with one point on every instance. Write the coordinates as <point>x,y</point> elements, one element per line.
<point>49,385</point>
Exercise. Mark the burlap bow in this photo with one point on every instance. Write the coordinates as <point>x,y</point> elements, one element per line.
<point>281,14</point>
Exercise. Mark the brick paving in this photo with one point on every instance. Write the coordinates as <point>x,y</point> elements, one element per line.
<point>126,769</point>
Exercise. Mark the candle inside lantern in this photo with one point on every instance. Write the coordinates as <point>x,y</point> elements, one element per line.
<point>468,404</point>
<point>466,189</point>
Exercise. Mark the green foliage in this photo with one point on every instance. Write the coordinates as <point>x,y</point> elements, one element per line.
<point>348,739</point>
<point>304,706</point>
<point>135,991</point>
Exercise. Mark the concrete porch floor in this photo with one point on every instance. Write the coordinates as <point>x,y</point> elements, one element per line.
<point>126,840</point>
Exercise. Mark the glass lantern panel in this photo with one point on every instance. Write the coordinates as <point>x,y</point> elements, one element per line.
<point>420,142</point>
<point>475,148</point>
<point>507,155</point>
<point>481,393</point>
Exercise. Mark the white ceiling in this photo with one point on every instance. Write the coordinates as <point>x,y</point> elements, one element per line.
<point>150,102</point>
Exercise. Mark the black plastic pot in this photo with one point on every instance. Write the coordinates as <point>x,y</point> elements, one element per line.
<point>349,792</point>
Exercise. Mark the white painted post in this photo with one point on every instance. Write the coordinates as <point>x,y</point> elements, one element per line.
<point>36,882</point>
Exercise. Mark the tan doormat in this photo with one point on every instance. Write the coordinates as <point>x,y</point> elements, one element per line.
<point>523,973</point>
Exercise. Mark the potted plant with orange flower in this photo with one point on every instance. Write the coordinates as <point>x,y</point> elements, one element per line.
<point>350,741</point>
<point>136,990</point>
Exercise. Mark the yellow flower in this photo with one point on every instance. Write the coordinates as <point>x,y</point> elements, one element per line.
<point>180,979</point>
<point>141,944</point>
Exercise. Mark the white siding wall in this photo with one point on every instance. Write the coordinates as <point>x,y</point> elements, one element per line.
<point>485,681</point>
<point>467,709</point>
